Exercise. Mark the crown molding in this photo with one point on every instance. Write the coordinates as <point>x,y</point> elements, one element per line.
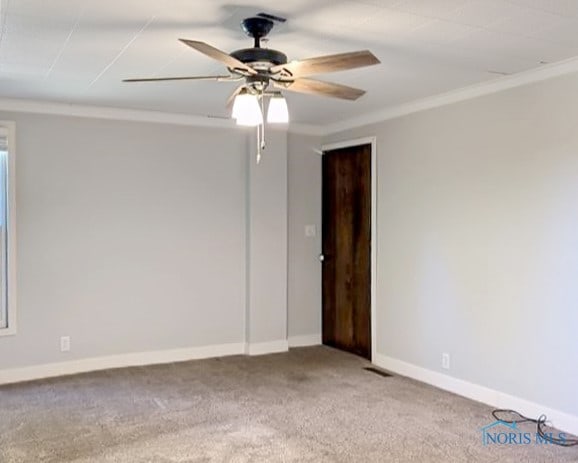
<point>135,115</point>
<point>544,72</point>
<point>105,112</point>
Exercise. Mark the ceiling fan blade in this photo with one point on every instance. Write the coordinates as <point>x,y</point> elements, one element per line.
<point>328,63</point>
<point>232,96</point>
<point>318,87</point>
<point>158,79</point>
<point>218,55</point>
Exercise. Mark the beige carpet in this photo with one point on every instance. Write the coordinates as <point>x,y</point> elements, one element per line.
<point>308,405</point>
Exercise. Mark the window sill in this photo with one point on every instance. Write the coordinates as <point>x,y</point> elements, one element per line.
<point>7,331</point>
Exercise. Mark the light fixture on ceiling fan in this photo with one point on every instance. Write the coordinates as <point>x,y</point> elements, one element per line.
<point>278,113</point>
<point>248,111</point>
<point>264,67</point>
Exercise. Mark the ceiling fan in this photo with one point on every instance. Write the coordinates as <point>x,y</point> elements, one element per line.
<point>262,67</point>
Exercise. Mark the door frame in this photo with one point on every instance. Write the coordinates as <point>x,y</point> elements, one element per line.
<point>373,287</point>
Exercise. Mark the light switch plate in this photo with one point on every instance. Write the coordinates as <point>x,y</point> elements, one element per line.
<point>310,231</point>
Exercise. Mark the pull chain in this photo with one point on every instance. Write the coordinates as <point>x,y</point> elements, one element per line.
<point>261,131</point>
<point>258,143</point>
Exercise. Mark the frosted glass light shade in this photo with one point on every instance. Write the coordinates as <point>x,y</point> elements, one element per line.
<point>278,112</point>
<point>246,110</point>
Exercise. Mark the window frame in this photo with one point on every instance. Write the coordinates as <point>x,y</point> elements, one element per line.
<point>8,129</point>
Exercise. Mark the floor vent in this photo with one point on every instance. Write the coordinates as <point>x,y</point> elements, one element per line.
<point>378,372</point>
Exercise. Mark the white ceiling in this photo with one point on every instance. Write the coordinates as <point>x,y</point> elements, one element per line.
<point>78,51</point>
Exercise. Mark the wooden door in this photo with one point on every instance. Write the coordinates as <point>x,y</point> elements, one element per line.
<point>347,249</point>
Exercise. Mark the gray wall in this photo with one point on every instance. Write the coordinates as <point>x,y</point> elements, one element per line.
<point>131,237</point>
<point>304,268</point>
<point>478,240</point>
<point>267,243</point>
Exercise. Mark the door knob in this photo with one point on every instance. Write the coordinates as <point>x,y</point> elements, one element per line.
<point>321,257</point>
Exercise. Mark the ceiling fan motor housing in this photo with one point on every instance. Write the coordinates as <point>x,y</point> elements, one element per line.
<point>255,55</point>
<point>260,59</point>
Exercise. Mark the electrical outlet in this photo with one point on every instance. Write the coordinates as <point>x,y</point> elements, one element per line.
<point>446,361</point>
<point>65,344</point>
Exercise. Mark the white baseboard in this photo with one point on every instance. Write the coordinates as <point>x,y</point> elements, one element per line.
<point>48,370</point>
<point>560,420</point>
<point>271,347</point>
<point>303,341</point>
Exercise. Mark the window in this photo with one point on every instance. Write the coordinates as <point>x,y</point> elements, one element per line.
<point>7,310</point>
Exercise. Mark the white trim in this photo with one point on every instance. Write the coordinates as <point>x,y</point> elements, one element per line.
<point>10,128</point>
<point>561,420</point>
<point>306,340</point>
<point>390,112</point>
<point>104,112</point>
<point>50,370</point>
<point>544,72</point>
<point>373,142</point>
<point>138,115</point>
<point>271,347</point>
